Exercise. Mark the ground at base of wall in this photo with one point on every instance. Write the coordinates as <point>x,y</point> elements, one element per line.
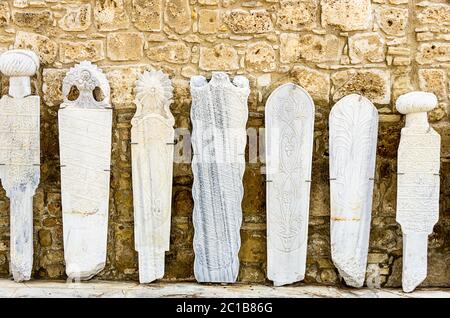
<point>106,289</point>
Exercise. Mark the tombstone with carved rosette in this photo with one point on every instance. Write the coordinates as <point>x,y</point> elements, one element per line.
<point>85,125</point>
<point>152,139</point>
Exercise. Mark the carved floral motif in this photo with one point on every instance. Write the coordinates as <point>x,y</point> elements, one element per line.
<point>289,142</point>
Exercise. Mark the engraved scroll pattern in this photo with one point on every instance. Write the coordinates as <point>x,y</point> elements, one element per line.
<point>219,115</point>
<point>418,181</point>
<point>19,144</point>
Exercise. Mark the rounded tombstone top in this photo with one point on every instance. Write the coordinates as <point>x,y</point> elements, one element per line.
<point>19,63</point>
<point>416,102</point>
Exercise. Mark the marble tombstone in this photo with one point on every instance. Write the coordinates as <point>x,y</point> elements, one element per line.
<point>85,127</point>
<point>289,121</point>
<point>417,184</point>
<point>20,155</point>
<point>152,146</point>
<point>219,114</point>
<point>353,142</point>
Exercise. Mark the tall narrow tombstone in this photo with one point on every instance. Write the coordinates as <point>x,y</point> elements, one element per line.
<point>289,144</point>
<point>417,184</point>
<point>85,124</point>
<point>20,155</point>
<point>152,139</point>
<point>353,145</point>
<point>219,115</point>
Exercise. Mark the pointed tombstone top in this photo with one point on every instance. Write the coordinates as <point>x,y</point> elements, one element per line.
<point>86,77</point>
<point>416,102</point>
<point>154,93</point>
<point>18,63</point>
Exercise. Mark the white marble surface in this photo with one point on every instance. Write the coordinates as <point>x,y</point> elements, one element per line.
<point>20,155</point>
<point>152,138</point>
<point>289,129</point>
<point>85,126</point>
<point>219,115</point>
<point>417,184</point>
<point>109,289</point>
<point>353,142</point>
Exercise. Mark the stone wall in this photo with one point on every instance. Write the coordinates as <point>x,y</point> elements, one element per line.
<point>379,48</point>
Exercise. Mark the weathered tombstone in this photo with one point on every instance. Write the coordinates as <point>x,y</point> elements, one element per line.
<point>20,155</point>
<point>353,145</point>
<point>152,140</point>
<point>85,126</point>
<point>417,184</point>
<point>289,144</point>
<point>219,114</point>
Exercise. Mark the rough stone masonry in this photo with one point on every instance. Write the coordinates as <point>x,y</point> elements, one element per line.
<point>378,48</point>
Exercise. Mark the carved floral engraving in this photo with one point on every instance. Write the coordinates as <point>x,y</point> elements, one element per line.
<point>289,142</point>
<point>20,155</point>
<point>219,114</point>
<point>85,126</point>
<point>353,142</point>
<point>417,184</point>
<point>152,139</point>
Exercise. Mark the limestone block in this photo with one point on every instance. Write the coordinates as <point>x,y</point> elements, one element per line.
<point>172,52</point>
<point>353,143</point>
<point>289,143</point>
<point>122,79</point>
<point>294,15</point>
<point>20,155</point>
<point>366,47</point>
<point>372,83</point>
<point>315,82</point>
<point>52,86</point>
<point>208,2</point>
<point>311,47</point>
<point>147,15</point>
<point>208,21</point>
<point>245,22</point>
<point>220,57</point>
<point>260,57</point>
<point>4,13</point>
<point>70,52</point>
<point>434,13</point>
<point>45,48</point>
<point>32,19</point>
<point>434,81</point>
<point>219,115</point>
<point>152,137</point>
<point>347,15</point>
<point>177,15</point>
<point>435,52</point>
<point>417,184</point>
<point>393,20</point>
<point>77,18</point>
<point>110,15</point>
<point>125,46</point>
<point>85,127</point>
